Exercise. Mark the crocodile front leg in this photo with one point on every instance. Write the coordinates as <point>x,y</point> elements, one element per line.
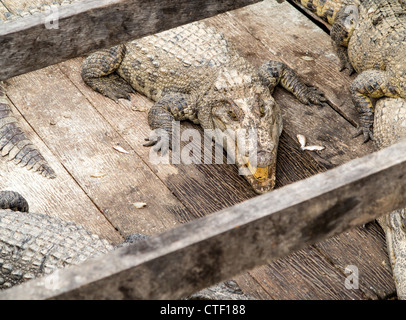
<point>341,31</point>
<point>370,84</point>
<point>98,72</point>
<point>171,107</point>
<point>273,73</point>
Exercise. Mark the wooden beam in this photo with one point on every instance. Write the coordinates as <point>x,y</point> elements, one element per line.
<point>195,255</point>
<point>43,39</point>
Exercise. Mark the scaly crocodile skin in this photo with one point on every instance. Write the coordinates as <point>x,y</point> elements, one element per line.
<point>193,73</point>
<point>389,128</point>
<point>370,38</point>
<point>32,245</point>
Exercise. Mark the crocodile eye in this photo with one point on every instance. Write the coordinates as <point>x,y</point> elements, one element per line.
<point>232,115</point>
<point>262,110</point>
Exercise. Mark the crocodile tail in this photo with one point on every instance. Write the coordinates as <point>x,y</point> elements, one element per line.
<point>325,9</point>
<point>15,144</point>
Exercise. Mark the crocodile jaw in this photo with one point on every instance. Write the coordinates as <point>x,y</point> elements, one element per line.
<point>262,179</point>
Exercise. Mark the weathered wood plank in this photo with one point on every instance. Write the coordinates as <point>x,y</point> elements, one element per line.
<point>187,258</point>
<point>29,44</point>
<point>368,254</point>
<point>306,285</point>
<point>83,142</point>
<point>285,172</point>
<point>61,197</point>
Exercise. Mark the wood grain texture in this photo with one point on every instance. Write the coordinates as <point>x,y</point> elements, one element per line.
<point>187,258</point>
<point>83,141</point>
<point>61,197</point>
<point>29,44</point>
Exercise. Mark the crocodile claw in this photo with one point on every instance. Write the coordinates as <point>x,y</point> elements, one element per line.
<point>160,140</point>
<point>314,96</point>
<point>366,132</point>
<point>348,66</point>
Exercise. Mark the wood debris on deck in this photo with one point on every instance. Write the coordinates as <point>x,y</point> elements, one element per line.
<point>77,130</point>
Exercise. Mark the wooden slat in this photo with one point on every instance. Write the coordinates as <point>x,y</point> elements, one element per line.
<point>93,24</point>
<point>190,257</point>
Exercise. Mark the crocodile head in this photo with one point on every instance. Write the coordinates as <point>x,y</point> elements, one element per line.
<point>247,123</point>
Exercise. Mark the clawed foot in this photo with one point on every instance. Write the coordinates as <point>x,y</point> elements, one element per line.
<point>366,132</point>
<point>313,95</point>
<point>160,140</point>
<point>347,65</point>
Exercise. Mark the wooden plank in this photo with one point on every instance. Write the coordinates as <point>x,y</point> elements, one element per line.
<point>291,163</point>
<point>203,189</point>
<point>369,256</point>
<point>60,197</point>
<point>27,44</point>
<point>185,259</point>
<point>213,187</point>
<point>306,286</point>
<point>83,142</point>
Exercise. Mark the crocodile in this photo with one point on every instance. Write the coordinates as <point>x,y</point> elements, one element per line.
<point>389,128</point>
<point>194,73</point>
<point>370,38</point>
<point>33,245</point>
